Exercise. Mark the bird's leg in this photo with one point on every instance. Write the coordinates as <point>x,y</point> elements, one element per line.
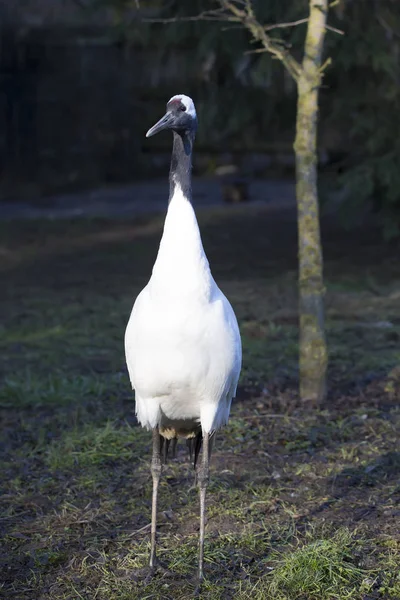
<point>156,474</point>
<point>203,478</point>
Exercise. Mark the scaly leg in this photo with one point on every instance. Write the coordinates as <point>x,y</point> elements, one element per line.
<point>203,478</point>
<point>156,474</point>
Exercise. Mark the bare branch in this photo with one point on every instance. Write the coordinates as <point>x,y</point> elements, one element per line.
<point>258,51</point>
<point>325,65</point>
<point>339,31</point>
<point>241,12</point>
<point>283,25</point>
<point>217,14</point>
<point>260,35</point>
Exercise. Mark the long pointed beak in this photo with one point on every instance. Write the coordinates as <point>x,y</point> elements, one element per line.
<point>164,123</point>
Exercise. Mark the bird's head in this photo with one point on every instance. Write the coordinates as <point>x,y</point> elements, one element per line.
<point>180,117</point>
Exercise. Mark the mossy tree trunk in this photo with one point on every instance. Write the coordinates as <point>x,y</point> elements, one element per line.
<point>313,347</point>
<point>307,74</point>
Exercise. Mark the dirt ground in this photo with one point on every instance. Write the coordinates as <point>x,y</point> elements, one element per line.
<point>304,502</point>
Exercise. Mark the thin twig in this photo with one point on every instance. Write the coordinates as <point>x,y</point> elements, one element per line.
<point>241,12</point>
<point>325,65</point>
<point>282,25</point>
<point>186,19</point>
<point>257,51</point>
<point>217,14</point>
<point>259,33</point>
<point>339,31</point>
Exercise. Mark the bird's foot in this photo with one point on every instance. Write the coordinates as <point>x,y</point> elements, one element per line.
<point>146,574</point>
<point>149,574</point>
<point>197,588</point>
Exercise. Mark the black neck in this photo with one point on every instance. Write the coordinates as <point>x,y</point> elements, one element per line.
<point>180,172</point>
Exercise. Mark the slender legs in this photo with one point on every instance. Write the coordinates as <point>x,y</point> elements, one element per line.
<point>156,473</point>
<point>203,478</point>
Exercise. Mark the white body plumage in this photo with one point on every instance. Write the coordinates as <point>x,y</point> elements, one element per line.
<point>182,342</point>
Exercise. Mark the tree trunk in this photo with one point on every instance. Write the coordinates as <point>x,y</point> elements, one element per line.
<point>313,348</point>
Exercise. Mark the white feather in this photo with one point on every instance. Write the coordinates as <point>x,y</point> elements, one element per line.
<point>182,342</point>
<point>187,102</point>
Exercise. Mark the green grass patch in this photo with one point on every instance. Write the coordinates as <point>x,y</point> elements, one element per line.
<point>31,390</point>
<point>319,570</point>
<point>93,445</point>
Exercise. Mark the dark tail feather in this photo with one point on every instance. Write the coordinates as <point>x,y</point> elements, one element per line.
<point>164,448</point>
<point>162,440</point>
<point>194,445</point>
<point>189,444</point>
<point>197,447</point>
<point>173,447</point>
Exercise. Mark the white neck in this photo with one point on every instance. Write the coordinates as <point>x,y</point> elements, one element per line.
<point>181,263</point>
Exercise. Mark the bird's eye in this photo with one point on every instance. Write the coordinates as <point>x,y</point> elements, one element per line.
<point>182,108</point>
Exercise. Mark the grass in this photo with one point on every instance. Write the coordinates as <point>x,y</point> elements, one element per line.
<point>91,445</point>
<point>27,389</point>
<point>303,502</point>
<point>323,568</point>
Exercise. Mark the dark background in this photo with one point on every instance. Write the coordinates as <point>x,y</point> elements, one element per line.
<point>81,82</point>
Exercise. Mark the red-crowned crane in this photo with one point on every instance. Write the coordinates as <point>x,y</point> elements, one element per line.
<point>182,342</point>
